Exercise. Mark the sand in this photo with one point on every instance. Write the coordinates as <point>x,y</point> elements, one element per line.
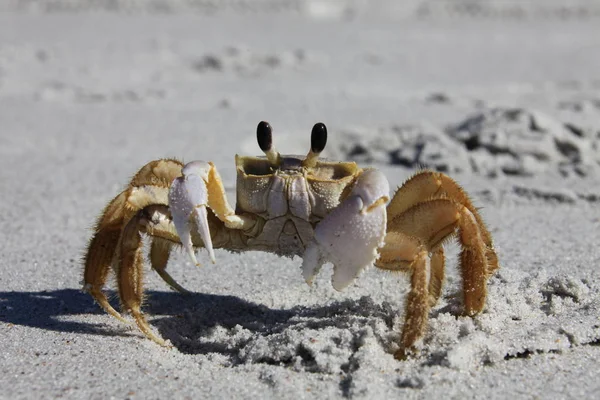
<point>503,96</point>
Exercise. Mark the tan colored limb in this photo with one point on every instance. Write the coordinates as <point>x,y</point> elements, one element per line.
<point>101,252</point>
<point>398,254</point>
<point>158,173</point>
<point>422,186</point>
<point>148,186</point>
<point>160,251</point>
<point>98,260</point>
<point>117,244</point>
<point>428,185</point>
<point>414,244</point>
<point>473,264</point>
<point>433,222</point>
<point>436,279</point>
<point>154,221</point>
<point>408,254</point>
<point>217,201</point>
<point>130,276</point>
<point>104,244</point>
<point>417,305</point>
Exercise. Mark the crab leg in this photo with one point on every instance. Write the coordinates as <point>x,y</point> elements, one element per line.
<point>149,186</point>
<point>436,185</point>
<point>130,275</point>
<point>436,280</point>
<point>413,244</point>
<point>98,260</point>
<point>349,237</point>
<point>407,253</point>
<point>160,250</point>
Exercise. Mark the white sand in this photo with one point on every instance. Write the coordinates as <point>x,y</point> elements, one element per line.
<point>506,98</point>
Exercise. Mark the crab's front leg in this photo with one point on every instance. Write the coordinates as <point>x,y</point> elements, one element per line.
<point>199,187</point>
<point>350,236</point>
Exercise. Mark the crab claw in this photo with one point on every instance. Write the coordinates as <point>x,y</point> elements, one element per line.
<point>351,234</point>
<point>188,198</point>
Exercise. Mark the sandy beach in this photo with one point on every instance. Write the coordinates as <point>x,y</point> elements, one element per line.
<point>502,96</point>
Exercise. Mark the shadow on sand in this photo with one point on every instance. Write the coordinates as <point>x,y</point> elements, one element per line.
<point>185,319</point>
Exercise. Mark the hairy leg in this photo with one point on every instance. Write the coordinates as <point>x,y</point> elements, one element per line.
<point>433,222</point>
<point>160,250</point>
<point>409,254</point>
<point>429,185</point>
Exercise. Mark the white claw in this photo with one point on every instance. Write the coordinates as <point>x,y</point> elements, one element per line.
<point>188,198</point>
<point>351,234</point>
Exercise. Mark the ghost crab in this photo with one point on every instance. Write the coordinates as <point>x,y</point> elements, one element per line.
<point>322,211</point>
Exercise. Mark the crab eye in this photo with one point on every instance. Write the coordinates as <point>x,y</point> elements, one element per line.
<point>318,137</point>
<point>264,135</point>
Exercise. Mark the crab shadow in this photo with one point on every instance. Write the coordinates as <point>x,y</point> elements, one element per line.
<point>193,330</point>
<point>186,320</point>
<point>47,310</point>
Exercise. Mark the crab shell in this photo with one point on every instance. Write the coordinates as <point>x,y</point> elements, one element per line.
<point>290,200</point>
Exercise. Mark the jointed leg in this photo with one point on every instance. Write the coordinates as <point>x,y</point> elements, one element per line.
<point>434,221</point>
<point>117,240</point>
<point>417,304</point>
<point>97,266</point>
<point>101,251</point>
<point>154,221</point>
<point>436,280</point>
<point>473,264</point>
<point>429,185</point>
<point>130,276</point>
<point>414,243</point>
<point>160,250</point>
<point>103,246</point>
<point>408,254</point>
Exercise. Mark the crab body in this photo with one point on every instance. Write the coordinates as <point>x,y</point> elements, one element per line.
<point>323,211</point>
<point>290,201</point>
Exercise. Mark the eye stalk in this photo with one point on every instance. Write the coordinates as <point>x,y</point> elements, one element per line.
<point>318,140</point>
<point>264,136</point>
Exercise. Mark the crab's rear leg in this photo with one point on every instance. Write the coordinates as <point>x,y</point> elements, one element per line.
<point>130,275</point>
<point>429,185</point>
<point>160,251</point>
<point>428,224</point>
<point>409,254</point>
<point>148,186</point>
<point>436,277</point>
<point>154,221</point>
<point>98,260</point>
<point>101,252</point>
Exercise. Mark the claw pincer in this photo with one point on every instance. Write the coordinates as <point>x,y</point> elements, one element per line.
<point>188,198</point>
<point>349,237</point>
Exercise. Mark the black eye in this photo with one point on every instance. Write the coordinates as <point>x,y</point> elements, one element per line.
<point>264,135</point>
<point>318,137</point>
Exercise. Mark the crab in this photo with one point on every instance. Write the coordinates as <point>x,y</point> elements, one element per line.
<point>323,211</point>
